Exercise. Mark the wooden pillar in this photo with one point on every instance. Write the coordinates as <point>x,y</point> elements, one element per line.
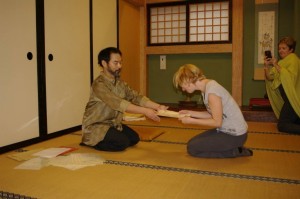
<point>237,50</point>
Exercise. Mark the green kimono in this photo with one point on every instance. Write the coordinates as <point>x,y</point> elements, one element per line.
<point>289,77</point>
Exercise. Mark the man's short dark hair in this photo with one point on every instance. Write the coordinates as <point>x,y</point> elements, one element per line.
<point>104,55</point>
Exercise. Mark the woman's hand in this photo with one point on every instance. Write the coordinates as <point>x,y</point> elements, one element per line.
<point>186,119</point>
<point>268,61</point>
<point>186,112</point>
<point>275,63</point>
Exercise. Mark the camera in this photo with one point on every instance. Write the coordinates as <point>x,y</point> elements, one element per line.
<point>268,54</point>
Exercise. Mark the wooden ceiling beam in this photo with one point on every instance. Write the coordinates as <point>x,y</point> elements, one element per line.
<point>136,2</point>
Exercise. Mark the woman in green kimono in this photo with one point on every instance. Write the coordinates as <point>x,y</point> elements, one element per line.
<point>283,86</point>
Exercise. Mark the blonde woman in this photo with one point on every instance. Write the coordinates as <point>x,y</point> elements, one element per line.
<point>229,128</point>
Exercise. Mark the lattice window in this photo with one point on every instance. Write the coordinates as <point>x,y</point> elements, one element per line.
<point>168,24</point>
<point>189,22</point>
<point>209,22</point>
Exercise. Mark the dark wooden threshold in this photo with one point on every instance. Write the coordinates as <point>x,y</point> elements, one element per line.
<point>26,143</point>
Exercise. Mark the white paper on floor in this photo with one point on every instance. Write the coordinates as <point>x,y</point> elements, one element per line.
<point>33,164</point>
<point>76,161</point>
<point>51,152</point>
<point>72,161</point>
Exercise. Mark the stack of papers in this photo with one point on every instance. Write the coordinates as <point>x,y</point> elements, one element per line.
<point>24,155</point>
<point>133,117</point>
<point>34,164</point>
<point>53,152</point>
<point>174,114</point>
<point>76,161</point>
<point>53,156</point>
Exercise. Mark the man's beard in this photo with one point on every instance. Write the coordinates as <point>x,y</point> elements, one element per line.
<point>116,74</point>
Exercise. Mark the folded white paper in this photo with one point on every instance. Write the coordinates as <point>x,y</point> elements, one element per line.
<point>51,152</point>
<point>133,117</point>
<point>174,114</point>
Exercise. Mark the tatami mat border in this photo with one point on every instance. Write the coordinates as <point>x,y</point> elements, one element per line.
<point>276,150</point>
<point>169,142</point>
<point>172,127</point>
<point>9,195</point>
<point>275,133</point>
<point>258,149</point>
<point>202,172</point>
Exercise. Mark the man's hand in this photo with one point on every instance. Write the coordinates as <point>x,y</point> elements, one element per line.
<point>151,114</point>
<point>162,107</point>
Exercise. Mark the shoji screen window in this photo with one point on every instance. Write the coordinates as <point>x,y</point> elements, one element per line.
<point>189,22</point>
<point>209,22</point>
<point>167,24</point>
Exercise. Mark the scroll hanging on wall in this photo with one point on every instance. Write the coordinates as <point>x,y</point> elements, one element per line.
<point>266,36</point>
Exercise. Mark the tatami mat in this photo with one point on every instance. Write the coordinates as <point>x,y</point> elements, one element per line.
<point>256,140</point>
<point>161,168</point>
<point>124,182</point>
<point>259,136</point>
<point>262,127</point>
<point>264,163</point>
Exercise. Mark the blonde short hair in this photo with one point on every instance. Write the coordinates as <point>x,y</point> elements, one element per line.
<point>187,73</point>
